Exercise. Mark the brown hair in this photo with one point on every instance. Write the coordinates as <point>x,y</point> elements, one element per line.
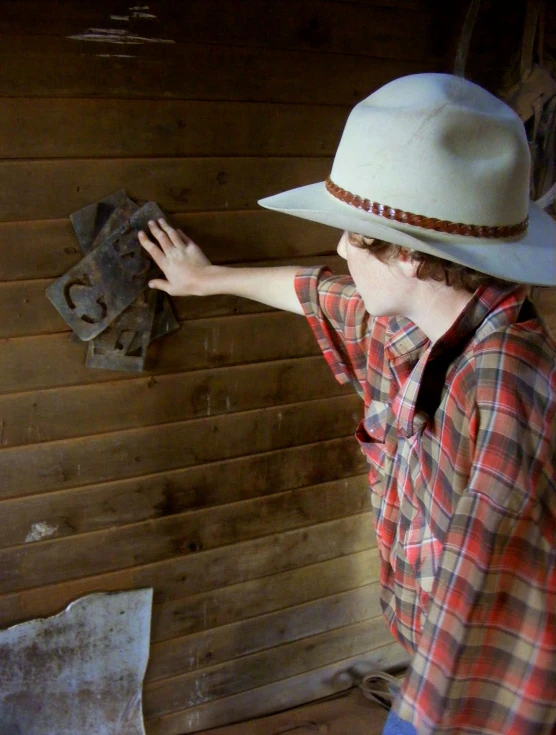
<point>460,277</point>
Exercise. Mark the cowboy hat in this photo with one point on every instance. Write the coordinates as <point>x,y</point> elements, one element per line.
<point>435,163</point>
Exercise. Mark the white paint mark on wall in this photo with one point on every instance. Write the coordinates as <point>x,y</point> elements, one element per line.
<point>119,17</point>
<point>116,35</point>
<point>40,531</point>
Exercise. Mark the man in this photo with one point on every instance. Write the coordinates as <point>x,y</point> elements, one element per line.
<point>430,185</point>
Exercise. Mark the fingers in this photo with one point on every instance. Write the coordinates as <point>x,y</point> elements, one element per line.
<point>152,249</point>
<point>160,232</point>
<point>160,285</point>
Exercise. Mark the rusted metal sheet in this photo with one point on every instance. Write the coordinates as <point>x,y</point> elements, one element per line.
<point>108,279</point>
<point>123,345</point>
<point>79,672</point>
<point>89,221</point>
<point>92,225</point>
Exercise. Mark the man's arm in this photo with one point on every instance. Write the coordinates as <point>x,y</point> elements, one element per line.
<point>188,272</point>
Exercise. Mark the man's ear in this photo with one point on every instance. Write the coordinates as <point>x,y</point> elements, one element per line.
<point>406,263</point>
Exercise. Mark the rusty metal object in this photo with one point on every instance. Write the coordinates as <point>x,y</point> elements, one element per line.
<point>90,221</point>
<point>108,279</point>
<point>123,345</point>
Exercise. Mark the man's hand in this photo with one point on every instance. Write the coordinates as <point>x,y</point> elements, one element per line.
<point>178,257</point>
<point>190,273</point>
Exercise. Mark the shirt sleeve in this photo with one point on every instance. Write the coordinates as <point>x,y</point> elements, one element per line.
<point>340,323</point>
<point>486,659</point>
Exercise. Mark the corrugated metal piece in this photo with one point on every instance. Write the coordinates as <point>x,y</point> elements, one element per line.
<point>79,672</point>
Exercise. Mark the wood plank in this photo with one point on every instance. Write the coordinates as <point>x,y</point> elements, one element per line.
<point>180,128</point>
<point>65,558</point>
<point>51,189</point>
<point>183,576</point>
<point>25,310</point>
<point>39,468</point>
<point>262,668</point>
<point>92,128</point>
<point>210,610</point>
<point>47,248</point>
<point>337,715</point>
<point>302,25</point>
<point>188,654</point>
<point>62,413</point>
<point>112,504</point>
<point>61,67</point>
<point>48,361</point>
<point>280,695</point>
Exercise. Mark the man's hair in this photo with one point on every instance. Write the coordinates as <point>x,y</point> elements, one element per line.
<point>429,267</point>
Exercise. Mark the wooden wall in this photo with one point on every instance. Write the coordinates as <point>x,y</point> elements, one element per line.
<point>225,476</point>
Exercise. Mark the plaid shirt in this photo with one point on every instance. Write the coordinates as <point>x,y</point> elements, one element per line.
<point>460,439</point>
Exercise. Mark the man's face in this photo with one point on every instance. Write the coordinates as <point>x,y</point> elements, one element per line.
<point>384,287</point>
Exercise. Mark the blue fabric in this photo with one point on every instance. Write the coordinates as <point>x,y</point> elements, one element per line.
<point>396,726</point>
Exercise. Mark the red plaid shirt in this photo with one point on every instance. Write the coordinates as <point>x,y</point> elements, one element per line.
<point>460,438</point>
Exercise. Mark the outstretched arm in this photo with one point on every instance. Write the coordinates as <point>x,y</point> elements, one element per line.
<point>188,272</point>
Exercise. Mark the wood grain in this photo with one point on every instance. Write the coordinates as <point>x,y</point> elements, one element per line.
<point>367,30</point>
<point>280,695</point>
<point>183,576</point>
<point>115,504</point>
<point>39,468</point>
<point>189,653</point>
<point>51,189</point>
<point>62,413</point>
<point>49,361</point>
<point>54,561</point>
<point>262,668</point>
<point>61,67</point>
<point>105,128</point>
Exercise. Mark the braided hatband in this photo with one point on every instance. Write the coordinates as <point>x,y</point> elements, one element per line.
<point>419,220</point>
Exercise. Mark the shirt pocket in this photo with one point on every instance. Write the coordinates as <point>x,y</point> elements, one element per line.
<point>372,435</point>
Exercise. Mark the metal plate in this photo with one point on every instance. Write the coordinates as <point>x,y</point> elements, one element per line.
<point>165,321</point>
<point>89,221</point>
<point>108,279</point>
<point>123,345</point>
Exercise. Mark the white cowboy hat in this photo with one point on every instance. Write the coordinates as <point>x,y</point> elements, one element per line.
<point>435,163</point>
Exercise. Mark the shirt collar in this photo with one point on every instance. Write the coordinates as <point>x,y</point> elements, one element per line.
<point>409,350</point>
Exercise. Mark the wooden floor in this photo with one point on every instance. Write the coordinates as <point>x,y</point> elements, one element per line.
<point>347,714</point>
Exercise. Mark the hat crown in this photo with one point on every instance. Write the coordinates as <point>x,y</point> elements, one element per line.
<point>439,146</point>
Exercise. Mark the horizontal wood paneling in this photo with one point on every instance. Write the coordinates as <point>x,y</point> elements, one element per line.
<point>70,463</point>
<point>227,566</point>
<point>141,128</point>
<point>280,695</point>
<point>33,363</point>
<point>60,67</point>
<point>46,249</point>
<point>374,30</point>
<point>227,642</point>
<point>112,504</point>
<point>63,413</point>
<point>145,543</point>
<point>259,669</point>
<point>50,189</point>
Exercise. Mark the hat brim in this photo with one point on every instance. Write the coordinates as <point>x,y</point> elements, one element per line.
<point>528,258</point>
